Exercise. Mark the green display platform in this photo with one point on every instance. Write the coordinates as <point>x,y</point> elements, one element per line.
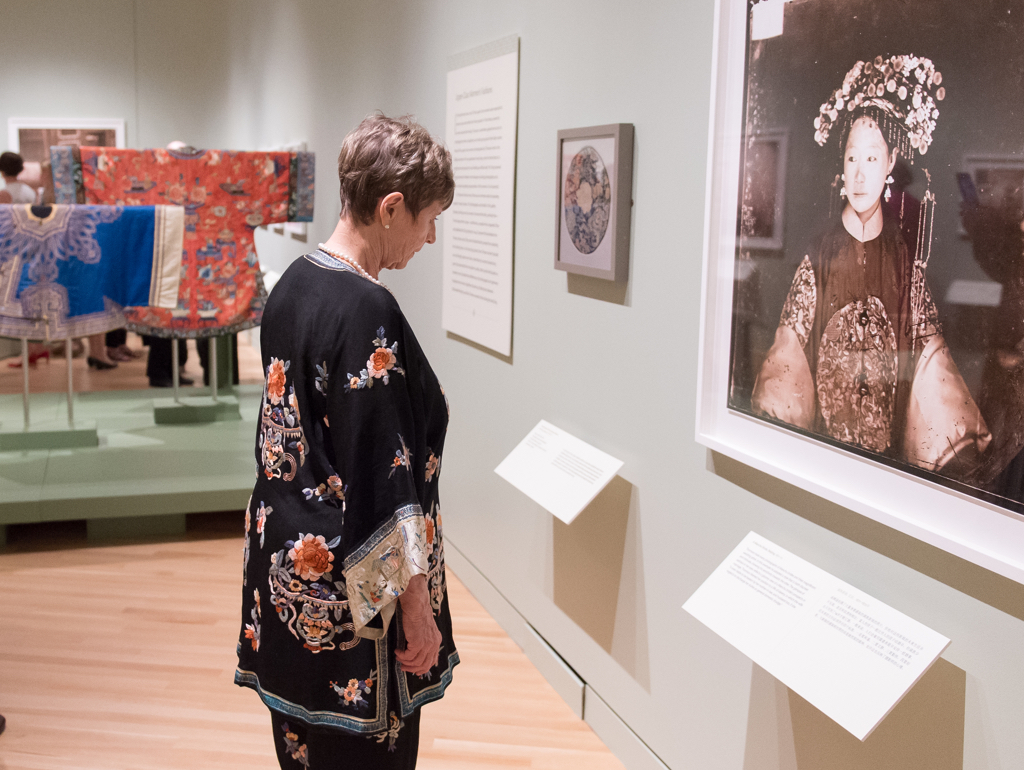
<point>49,434</point>
<point>141,478</point>
<point>195,409</point>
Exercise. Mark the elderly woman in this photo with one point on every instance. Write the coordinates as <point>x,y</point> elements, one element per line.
<point>346,631</point>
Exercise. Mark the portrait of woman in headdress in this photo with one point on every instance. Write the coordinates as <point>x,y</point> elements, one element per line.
<point>859,355</point>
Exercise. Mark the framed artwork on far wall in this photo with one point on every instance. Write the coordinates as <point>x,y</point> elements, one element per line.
<point>593,201</point>
<point>32,137</point>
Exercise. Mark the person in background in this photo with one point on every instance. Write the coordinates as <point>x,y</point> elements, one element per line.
<point>116,342</point>
<point>17,192</point>
<point>159,365</point>
<point>11,165</point>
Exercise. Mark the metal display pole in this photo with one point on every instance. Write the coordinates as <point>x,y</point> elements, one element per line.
<point>174,366</point>
<point>71,387</point>
<point>211,360</point>
<point>231,362</point>
<point>24,372</point>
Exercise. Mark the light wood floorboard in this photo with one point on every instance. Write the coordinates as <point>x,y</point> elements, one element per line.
<point>121,657</point>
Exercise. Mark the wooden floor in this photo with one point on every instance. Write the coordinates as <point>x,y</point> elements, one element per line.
<point>51,375</point>
<point>121,657</point>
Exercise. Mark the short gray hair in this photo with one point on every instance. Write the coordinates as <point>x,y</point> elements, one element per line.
<point>383,155</point>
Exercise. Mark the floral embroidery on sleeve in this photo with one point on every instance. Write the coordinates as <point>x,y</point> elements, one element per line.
<point>331,491</point>
<point>280,425</point>
<point>321,379</point>
<point>382,362</point>
<point>296,750</point>
<point>435,560</point>
<point>433,461</point>
<point>403,458</point>
<point>391,734</point>
<point>352,695</point>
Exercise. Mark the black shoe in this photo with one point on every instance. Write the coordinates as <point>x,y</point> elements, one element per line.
<point>95,363</point>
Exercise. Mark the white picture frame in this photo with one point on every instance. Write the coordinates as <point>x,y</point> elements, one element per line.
<point>16,125</point>
<point>981,532</point>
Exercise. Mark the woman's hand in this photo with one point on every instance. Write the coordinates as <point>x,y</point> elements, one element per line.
<point>422,639</point>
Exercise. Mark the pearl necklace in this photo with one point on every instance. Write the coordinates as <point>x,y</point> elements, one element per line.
<point>351,263</point>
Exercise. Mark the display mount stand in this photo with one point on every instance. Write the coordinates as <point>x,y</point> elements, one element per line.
<point>188,410</point>
<point>48,434</point>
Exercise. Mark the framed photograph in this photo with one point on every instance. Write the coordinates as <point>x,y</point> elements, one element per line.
<point>594,201</point>
<point>763,205</point>
<point>998,179</point>
<point>32,137</point>
<point>867,351</point>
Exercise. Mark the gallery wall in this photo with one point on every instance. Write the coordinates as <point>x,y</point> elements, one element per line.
<point>615,367</point>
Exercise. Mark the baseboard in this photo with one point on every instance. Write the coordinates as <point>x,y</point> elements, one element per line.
<point>618,736</point>
<point>581,697</point>
<point>568,685</point>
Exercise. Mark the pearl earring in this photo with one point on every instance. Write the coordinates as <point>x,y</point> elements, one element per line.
<point>387,227</point>
<point>888,193</point>
<point>842,191</point>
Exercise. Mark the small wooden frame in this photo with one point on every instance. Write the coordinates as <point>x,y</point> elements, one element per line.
<point>593,201</point>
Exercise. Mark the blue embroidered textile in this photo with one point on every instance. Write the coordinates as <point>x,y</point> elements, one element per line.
<point>69,273</point>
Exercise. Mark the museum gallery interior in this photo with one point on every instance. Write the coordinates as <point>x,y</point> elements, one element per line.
<point>512,384</point>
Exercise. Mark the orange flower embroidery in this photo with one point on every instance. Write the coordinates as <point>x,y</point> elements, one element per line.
<point>311,557</point>
<point>380,362</point>
<point>379,366</point>
<point>275,380</point>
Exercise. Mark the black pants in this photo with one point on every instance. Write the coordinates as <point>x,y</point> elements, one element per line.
<point>321,748</point>
<point>116,337</point>
<point>158,365</point>
<point>203,349</point>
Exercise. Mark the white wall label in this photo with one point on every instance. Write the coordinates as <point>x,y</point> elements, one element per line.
<point>843,651</point>
<point>558,470</point>
<point>480,130</point>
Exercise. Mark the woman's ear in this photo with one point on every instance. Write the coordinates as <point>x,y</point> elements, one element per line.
<point>388,206</point>
<point>892,160</point>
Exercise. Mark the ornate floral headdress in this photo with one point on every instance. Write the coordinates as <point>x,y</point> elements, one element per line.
<point>897,91</point>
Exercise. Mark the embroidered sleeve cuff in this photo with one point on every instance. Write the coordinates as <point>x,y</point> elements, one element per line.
<point>67,175</point>
<point>378,573</point>
<point>303,173</point>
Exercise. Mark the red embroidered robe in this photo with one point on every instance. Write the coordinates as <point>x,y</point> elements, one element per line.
<point>226,195</point>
